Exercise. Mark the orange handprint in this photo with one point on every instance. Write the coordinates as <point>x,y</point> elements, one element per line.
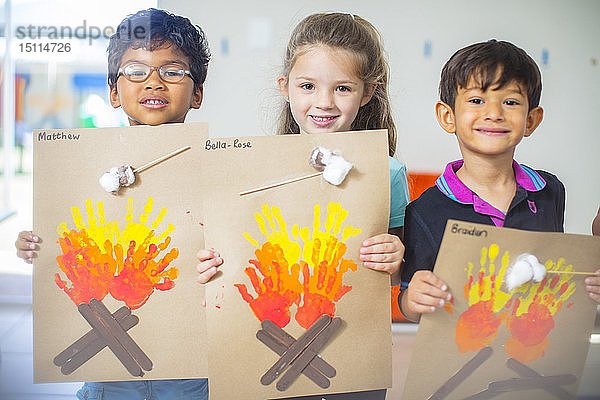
<point>323,288</point>
<point>477,327</point>
<point>139,273</point>
<point>323,267</point>
<point>532,317</point>
<point>88,267</point>
<point>279,289</point>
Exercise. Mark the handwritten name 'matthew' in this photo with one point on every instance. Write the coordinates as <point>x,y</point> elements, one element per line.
<point>57,136</point>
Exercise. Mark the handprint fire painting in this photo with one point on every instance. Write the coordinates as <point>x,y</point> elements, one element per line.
<point>298,272</point>
<point>291,268</point>
<point>299,267</point>
<point>117,270</point>
<point>98,258</point>
<point>529,342</point>
<point>527,312</point>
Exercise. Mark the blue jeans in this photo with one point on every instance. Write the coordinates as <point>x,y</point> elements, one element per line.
<point>175,389</point>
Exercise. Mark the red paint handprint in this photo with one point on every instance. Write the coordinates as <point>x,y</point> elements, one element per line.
<point>89,268</point>
<point>529,331</point>
<point>279,288</point>
<point>478,326</point>
<point>139,273</point>
<point>532,317</point>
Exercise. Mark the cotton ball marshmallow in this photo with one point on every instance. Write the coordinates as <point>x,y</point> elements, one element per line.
<point>539,270</point>
<point>333,165</point>
<point>110,180</point>
<point>336,170</point>
<point>526,268</point>
<point>116,177</point>
<point>520,273</point>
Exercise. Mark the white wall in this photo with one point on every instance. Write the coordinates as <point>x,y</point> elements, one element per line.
<point>241,99</point>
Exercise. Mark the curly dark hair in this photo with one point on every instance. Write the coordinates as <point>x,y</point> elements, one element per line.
<point>482,62</point>
<point>150,29</point>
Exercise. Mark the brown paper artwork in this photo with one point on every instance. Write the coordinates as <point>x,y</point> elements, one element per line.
<point>97,259</point>
<point>114,293</point>
<point>314,286</point>
<point>494,342</point>
<point>292,295</point>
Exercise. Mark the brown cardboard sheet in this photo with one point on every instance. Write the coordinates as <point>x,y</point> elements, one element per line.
<point>134,252</point>
<point>272,239</point>
<point>528,343</point>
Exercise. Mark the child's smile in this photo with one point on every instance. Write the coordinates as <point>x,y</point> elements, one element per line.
<point>492,131</point>
<point>323,121</point>
<point>154,101</point>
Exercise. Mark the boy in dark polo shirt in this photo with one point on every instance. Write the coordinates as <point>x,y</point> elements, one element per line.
<point>489,99</point>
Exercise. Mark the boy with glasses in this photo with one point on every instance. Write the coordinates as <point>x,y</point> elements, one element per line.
<point>157,64</point>
<point>156,68</point>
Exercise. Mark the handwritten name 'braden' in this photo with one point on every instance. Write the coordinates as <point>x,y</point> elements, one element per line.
<point>56,136</point>
<point>465,231</point>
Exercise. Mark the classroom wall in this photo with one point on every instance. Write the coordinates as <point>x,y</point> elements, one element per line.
<point>248,41</point>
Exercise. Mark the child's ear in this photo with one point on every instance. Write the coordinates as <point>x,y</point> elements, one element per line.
<point>197,97</point>
<point>369,91</point>
<point>282,83</point>
<point>534,119</point>
<point>114,97</point>
<point>445,117</point>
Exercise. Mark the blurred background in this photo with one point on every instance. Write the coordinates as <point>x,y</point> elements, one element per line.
<point>42,89</point>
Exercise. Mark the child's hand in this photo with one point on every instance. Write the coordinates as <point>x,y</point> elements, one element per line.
<point>593,286</point>
<point>382,253</point>
<point>425,293</point>
<point>27,244</point>
<point>209,261</point>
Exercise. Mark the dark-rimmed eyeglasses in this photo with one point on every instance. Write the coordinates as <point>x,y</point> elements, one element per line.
<point>139,72</point>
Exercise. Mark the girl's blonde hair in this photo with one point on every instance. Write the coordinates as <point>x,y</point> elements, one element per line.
<point>361,38</point>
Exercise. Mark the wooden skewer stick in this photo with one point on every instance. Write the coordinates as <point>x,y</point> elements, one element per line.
<point>272,185</point>
<point>571,272</point>
<point>161,159</point>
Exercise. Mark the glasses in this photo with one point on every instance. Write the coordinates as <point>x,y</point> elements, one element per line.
<point>139,72</point>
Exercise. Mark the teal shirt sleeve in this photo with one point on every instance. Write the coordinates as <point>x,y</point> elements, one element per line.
<point>399,196</point>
